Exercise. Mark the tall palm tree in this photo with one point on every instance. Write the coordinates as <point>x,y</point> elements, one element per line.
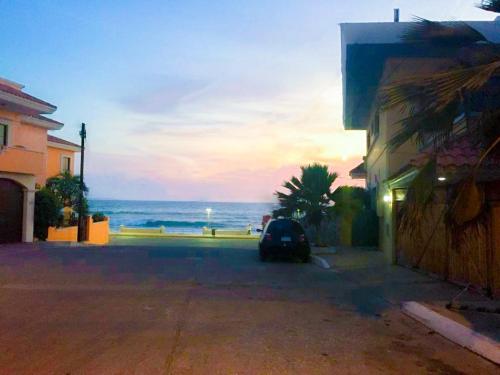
<point>311,194</point>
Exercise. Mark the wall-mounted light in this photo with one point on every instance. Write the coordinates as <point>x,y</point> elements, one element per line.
<point>441,178</point>
<point>387,198</point>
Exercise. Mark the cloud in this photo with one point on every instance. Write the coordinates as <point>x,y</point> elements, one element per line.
<point>162,95</point>
<point>222,141</point>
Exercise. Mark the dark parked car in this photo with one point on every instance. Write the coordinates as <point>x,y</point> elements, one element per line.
<point>284,237</point>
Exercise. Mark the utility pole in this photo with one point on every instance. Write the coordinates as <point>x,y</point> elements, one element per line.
<point>81,219</point>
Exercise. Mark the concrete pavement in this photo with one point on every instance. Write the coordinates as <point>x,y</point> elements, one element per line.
<point>194,307</point>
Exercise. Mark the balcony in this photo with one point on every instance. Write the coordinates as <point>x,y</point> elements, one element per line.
<point>18,160</point>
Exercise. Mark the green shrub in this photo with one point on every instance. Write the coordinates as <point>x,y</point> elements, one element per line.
<point>66,188</point>
<point>47,212</point>
<point>98,216</point>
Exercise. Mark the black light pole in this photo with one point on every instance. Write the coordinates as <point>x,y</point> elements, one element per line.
<point>81,219</point>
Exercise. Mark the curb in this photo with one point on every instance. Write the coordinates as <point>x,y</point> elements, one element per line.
<point>453,331</point>
<point>320,262</point>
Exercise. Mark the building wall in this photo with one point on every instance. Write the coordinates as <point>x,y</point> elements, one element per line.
<point>54,156</point>
<point>382,163</point>
<point>26,148</point>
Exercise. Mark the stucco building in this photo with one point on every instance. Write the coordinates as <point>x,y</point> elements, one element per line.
<point>28,156</point>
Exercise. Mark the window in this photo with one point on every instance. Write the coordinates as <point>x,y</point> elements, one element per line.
<point>65,164</point>
<point>3,135</point>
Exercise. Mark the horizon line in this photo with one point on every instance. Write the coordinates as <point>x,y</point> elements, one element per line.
<point>176,201</point>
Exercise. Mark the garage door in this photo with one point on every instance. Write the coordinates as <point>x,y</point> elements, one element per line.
<point>11,211</point>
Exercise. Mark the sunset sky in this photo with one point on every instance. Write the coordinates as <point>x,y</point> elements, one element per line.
<point>197,100</point>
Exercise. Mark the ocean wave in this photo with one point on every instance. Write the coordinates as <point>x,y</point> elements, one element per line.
<point>148,213</point>
<point>174,224</point>
<point>119,212</point>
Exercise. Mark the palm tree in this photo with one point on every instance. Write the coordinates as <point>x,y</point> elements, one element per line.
<point>311,194</point>
<point>434,101</point>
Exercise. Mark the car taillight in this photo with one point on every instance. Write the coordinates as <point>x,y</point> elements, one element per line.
<point>302,238</point>
<point>268,237</point>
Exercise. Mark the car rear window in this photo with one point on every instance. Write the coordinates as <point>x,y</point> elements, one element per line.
<point>280,227</point>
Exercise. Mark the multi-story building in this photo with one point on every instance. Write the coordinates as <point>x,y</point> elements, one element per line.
<point>28,156</point>
<point>373,55</point>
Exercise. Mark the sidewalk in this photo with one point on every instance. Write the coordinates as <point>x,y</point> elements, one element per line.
<point>398,286</point>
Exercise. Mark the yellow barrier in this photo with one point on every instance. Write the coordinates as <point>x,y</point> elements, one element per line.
<point>66,234</point>
<point>96,233</point>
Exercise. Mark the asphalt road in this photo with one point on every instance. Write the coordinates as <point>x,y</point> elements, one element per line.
<point>202,307</point>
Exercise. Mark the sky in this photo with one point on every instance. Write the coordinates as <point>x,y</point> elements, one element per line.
<point>197,100</point>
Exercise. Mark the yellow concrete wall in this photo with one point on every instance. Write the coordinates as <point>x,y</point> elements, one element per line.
<point>54,156</point>
<point>67,234</point>
<point>97,233</point>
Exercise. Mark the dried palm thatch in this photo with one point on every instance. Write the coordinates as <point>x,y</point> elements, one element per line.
<point>468,202</point>
<point>470,197</point>
<point>419,195</point>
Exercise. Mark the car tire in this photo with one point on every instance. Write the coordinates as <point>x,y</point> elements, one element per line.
<point>305,258</point>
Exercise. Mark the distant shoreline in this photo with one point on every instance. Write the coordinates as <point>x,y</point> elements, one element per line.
<point>176,201</point>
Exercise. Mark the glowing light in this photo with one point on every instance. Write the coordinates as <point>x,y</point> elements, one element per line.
<point>387,198</point>
<point>441,178</point>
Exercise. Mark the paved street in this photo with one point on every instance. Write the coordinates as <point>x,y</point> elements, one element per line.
<point>209,306</point>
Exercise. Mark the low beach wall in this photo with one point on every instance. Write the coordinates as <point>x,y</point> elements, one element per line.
<point>133,230</point>
<point>96,233</point>
<point>205,233</point>
<point>64,234</point>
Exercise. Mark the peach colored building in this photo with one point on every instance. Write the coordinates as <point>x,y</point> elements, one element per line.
<point>60,156</point>
<point>28,156</point>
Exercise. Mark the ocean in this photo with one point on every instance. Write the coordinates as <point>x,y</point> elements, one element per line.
<point>181,217</point>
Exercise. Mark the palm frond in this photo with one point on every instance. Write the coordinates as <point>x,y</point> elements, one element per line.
<point>490,5</point>
<point>438,90</point>
<point>438,33</point>
<point>426,124</point>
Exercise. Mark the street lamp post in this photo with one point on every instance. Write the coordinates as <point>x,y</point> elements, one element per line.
<point>81,223</point>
